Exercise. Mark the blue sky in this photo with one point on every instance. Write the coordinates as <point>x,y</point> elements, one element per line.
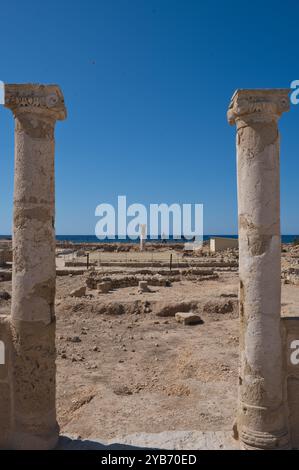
<point>147,84</point>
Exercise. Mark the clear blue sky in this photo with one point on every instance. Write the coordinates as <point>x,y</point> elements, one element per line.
<point>147,84</point>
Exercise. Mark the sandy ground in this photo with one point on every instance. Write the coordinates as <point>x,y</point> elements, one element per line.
<point>142,373</point>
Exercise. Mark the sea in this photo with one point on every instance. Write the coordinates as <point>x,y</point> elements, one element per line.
<point>172,239</point>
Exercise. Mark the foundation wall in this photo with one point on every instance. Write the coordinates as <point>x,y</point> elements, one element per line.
<point>290,332</point>
<point>5,382</point>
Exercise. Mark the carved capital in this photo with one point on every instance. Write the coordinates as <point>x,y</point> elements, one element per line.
<point>258,105</point>
<point>44,100</point>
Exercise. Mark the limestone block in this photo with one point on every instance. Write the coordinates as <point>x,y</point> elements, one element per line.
<point>104,287</point>
<point>188,318</point>
<point>79,292</point>
<point>143,287</point>
<point>91,282</point>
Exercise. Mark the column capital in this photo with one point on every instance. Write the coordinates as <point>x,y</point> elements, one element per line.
<point>44,100</point>
<point>258,104</point>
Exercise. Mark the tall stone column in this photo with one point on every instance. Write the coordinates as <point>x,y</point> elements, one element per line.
<point>36,109</point>
<point>262,418</point>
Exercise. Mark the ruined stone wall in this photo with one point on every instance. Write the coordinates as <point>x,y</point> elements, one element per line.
<point>290,335</point>
<point>5,382</point>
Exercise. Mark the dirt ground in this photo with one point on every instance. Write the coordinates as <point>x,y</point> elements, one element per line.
<point>131,370</point>
<point>137,372</point>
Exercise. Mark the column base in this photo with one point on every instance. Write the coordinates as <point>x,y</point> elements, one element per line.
<point>257,440</point>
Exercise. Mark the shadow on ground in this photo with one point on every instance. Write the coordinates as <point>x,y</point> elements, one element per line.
<point>166,440</point>
<point>69,443</point>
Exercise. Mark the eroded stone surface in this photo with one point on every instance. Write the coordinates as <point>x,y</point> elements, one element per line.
<point>33,422</point>
<point>262,420</point>
<point>79,292</point>
<point>188,318</point>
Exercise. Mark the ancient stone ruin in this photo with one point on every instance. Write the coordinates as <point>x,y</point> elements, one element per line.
<point>264,410</point>
<point>268,403</point>
<point>27,380</point>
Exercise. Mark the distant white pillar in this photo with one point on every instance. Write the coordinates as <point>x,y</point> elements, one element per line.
<point>142,236</point>
<point>1,92</point>
<point>262,417</point>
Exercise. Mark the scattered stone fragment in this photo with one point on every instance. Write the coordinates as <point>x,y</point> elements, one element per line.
<point>91,282</point>
<point>143,287</point>
<point>122,390</point>
<point>74,339</point>
<point>188,318</point>
<point>229,295</point>
<point>170,309</point>
<point>104,287</point>
<point>223,306</point>
<point>4,295</point>
<point>79,292</point>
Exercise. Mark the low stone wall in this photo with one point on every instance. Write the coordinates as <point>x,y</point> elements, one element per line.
<point>5,382</point>
<point>118,282</point>
<point>74,264</point>
<point>67,272</point>
<point>290,333</point>
<point>181,264</point>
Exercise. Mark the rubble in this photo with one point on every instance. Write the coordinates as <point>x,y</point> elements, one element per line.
<point>188,318</point>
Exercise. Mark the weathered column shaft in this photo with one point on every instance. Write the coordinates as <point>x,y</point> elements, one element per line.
<point>262,421</point>
<point>36,109</point>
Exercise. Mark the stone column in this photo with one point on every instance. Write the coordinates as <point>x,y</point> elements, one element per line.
<point>36,109</point>
<point>262,418</point>
<point>142,236</point>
